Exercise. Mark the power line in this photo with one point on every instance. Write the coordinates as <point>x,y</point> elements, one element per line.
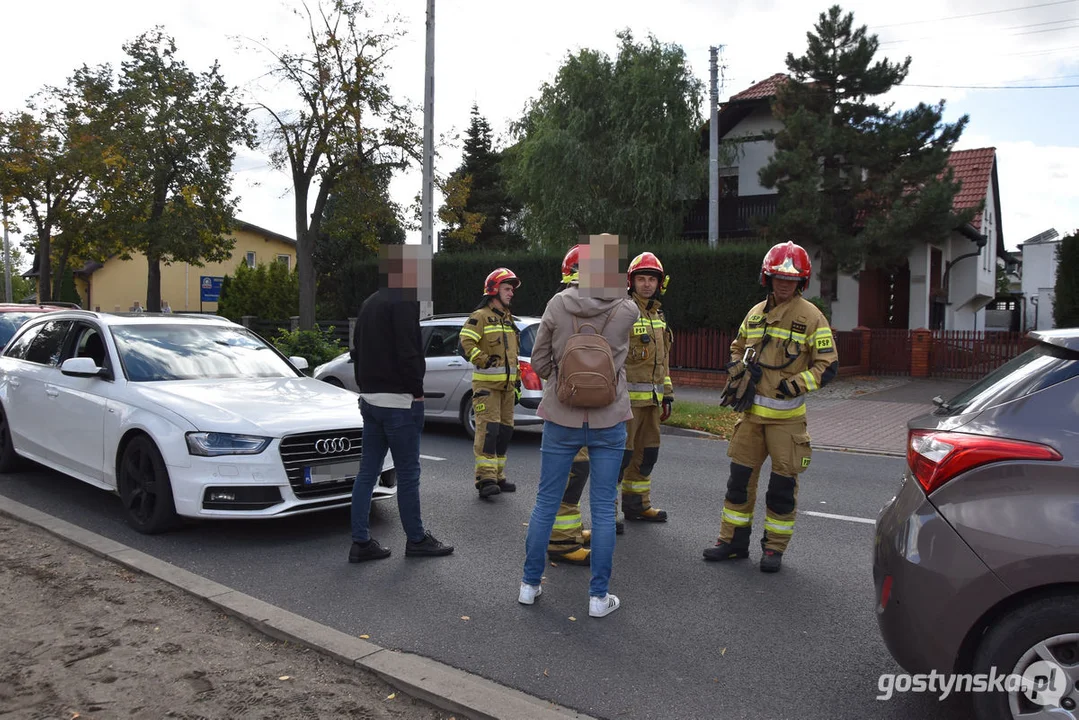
<point>1028,32</point>
<point>979,14</point>
<point>993,87</point>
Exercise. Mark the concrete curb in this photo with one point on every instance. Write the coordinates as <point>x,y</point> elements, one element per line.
<point>445,687</point>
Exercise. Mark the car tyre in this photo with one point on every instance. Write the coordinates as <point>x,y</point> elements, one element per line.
<point>468,416</point>
<point>9,459</point>
<point>145,489</point>
<point>1014,636</point>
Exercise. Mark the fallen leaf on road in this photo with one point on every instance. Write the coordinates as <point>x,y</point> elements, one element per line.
<point>545,673</point>
<point>572,619</point>
<point>723,651</point>
<point>365,637</point>
<point>554,564</point>
<point>284,677</point>
<point>524,524</point>
<point>391,696</point>
<point>465,617</point>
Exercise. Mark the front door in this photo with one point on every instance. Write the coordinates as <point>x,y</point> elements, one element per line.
<point>79,404</point>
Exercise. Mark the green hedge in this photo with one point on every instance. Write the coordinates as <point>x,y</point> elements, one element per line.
<point>1066,290</point>
<point>708,288</point>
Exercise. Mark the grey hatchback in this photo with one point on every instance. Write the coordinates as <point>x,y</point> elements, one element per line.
<point>976,559</point>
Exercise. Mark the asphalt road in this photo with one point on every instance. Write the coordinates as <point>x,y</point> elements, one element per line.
<point>692,639</point>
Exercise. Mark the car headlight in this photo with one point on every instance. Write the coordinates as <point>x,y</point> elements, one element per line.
<point>211,444</point>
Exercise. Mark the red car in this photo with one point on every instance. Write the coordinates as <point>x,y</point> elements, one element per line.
<point>13,315</point>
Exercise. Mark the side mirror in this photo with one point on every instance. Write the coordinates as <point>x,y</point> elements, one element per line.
<point>299,363</point>
<point>80,367</point>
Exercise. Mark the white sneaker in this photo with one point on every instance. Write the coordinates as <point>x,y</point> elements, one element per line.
<point>599,606</point>
<point>529,593</point>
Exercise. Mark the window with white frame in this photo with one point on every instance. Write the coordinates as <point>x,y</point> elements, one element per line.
<point>285,260</point>
<point>251,259</point>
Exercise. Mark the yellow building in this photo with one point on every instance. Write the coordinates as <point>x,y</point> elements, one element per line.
<point>117,285</point>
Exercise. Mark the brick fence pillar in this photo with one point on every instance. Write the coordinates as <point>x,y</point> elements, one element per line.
<point>920,341</point>
<point>867,348</point>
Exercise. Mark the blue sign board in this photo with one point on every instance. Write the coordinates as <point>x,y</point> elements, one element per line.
<point>211,288</point>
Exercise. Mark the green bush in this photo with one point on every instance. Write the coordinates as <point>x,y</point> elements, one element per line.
<point>316,346</point>
<point>1066,292</point>
<point>708,289</point>
<point>267,291</point>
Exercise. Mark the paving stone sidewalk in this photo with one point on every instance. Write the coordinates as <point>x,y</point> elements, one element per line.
<point>861,413</point>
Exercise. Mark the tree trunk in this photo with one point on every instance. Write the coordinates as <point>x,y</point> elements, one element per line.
<point>153,282</point>
<point>44,266</point>
<point>305,265</point>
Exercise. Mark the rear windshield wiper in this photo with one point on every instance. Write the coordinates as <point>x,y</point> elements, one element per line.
<point>939,402</point>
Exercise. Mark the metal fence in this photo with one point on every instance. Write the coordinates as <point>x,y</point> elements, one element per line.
<point>969,355</point>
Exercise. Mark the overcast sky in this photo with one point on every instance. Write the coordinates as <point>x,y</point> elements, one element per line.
<point>497,53</point>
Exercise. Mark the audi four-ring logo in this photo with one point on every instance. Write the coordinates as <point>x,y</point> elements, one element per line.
<point>329,446</point>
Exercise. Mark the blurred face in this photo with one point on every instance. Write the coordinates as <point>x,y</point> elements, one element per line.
<point>505,294</point>
<point>783,289</point>
<point>645,285</point>
<point>406,267</point>
<point>598,267</point>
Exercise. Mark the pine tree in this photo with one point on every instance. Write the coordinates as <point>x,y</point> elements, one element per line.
<point>855,179</point>
<point>478,210</point>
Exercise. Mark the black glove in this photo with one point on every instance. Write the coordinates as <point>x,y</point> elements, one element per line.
<point>788,389</point>
<point>668,406</point>
<point>754,371</point>
<point>517,392</point>
<point>491,360</point>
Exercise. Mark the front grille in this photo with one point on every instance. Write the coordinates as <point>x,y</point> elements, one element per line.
<point>300,451</point>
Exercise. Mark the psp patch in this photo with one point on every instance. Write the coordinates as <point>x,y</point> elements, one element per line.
<point>805,462</point>
<point>473,321</point>
<point>825,344</point>
<point>755,319</point>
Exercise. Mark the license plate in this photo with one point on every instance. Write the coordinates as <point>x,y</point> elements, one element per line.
<point>334,473</point>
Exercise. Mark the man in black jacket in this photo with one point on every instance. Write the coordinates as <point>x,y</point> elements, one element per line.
<point>388,362</point>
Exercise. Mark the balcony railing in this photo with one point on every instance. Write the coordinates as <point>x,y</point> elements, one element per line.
<point>736,215</point>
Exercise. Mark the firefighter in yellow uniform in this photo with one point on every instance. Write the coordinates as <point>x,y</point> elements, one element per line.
<point>784,350</point>
<point>651,394</point>
<point>491,341</point>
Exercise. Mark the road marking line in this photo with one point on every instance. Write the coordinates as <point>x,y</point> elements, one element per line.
<point>848,518</point>
<point>431,457</point>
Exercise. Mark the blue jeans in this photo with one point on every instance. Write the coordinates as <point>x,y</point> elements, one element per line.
<point>398,431</point>
<point>560,444</point>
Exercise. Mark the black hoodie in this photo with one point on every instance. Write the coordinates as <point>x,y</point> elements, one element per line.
<point>387,350</point>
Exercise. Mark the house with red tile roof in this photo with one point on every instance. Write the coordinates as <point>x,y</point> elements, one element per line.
<point>942,286</point>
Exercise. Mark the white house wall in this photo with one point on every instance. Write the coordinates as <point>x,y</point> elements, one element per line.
<point>919,262</point>
<point>754,154</point>
<point>845,309</point>
<point>1039,279</point>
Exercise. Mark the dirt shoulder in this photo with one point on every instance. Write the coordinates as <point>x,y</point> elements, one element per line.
<point>82,637</point>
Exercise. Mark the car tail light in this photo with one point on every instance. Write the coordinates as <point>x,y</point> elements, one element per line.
<point>529,379</point>
<point>885,591</point>
<point>937,457</point>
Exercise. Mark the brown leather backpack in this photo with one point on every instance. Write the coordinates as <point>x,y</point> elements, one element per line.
<point>586,375</point>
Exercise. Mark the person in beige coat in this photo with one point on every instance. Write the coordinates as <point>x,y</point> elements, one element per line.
<point>599,298</point>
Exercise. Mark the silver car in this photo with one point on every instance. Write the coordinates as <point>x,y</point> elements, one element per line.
<point>447,387</point>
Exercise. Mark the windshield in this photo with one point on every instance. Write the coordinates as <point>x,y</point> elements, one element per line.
<point>1038,368</point>
<point>10,322</point>
<point>179,351</point>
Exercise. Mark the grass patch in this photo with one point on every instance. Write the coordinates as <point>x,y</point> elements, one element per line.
<point>713,419</point>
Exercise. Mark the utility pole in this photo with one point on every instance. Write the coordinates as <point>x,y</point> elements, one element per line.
<point>715,67</point>
<point>713,147</point>
<point>427,194</point>
<point>7,256</point>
